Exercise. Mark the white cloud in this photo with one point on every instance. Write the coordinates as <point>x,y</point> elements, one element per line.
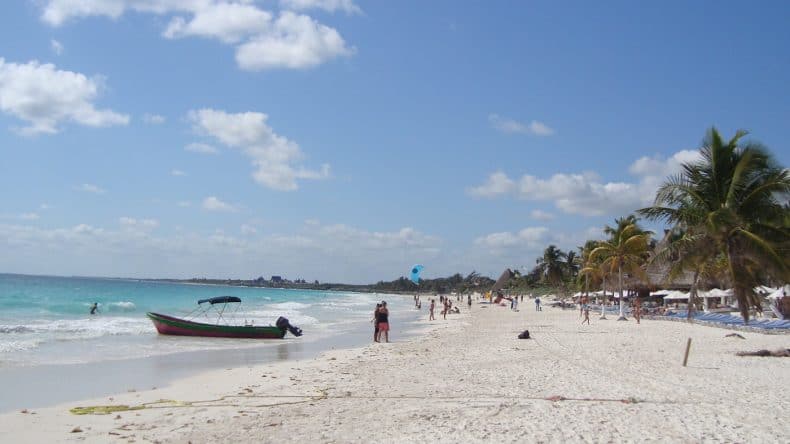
<point>275,158</point>
<point>153,119</point>
<point>541,215</point>
<point>586,193</point>
<point>90,188</point>
<point>511,126</point>
<point>294,41</point>
<point>227,22</point>
<point>248,230</point>
<point>44,97</point>
<point>212,203</point>
<point>498,183</point>
<point>201,148</point>
<point>87,229</point>
<point>29,216</point>
<point>405,237</point>
<point>56,47</point>
<point>184,204</point>
<point>583,194</point>
<point>58,12</point>
<point>290,41</point>
<point>133,248</point>
<point>139,225</point>
<point>347,6</point>
<point>178,173</point>
<point>658,166</point>
<point>44,206</point>
<point>530,237</point>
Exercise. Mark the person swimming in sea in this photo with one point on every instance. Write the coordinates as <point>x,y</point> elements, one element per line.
<point>95,308</point>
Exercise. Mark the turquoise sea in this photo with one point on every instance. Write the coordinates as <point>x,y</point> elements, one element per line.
<point>45,320</point>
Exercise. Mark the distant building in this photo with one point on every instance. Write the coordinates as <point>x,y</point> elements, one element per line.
<point>277,279</point>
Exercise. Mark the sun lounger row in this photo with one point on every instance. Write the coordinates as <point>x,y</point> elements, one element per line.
<point>721,318</point>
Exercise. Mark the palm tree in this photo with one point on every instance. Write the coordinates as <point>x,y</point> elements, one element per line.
<point>586,267</point>
<point>689,249</point>
<point>552,265</point>
<point>571,263</point>
<point>591,271</point>
<point>625,250</point>
<point>736,197</point>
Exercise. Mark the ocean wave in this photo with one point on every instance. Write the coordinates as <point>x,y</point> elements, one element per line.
<point>290,306</point>
<point>91,327</point>
<point>266,317</point>
<point>15,329</point>
<point>17,346</point>
<point>122,306</point>
<point>353,300</point>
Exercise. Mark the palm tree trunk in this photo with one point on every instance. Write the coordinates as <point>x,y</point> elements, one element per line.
<point>692,295</point>
<point>743,293</point>
<point>603,301</point>
<point>620,279</point>
<point>587,286</point>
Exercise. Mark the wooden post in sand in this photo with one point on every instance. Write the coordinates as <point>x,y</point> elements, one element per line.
<point>686,356</point>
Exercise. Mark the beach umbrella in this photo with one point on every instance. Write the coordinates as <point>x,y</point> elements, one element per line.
<point>676,295</point>
<point>503,279</point>
<point>780,292</point>
<point>415,273</point>
<point>717,293</point>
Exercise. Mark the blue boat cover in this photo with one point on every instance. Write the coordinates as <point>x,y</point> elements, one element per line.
<point>220,300</point>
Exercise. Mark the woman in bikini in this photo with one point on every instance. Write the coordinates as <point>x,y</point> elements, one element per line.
<point>376,323</point>
<point>383,321</point>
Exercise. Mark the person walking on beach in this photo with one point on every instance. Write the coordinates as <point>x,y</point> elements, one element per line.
<point>469,301</point>
<point>384,324</point>
<point>515,303</point>
<point>637,309</point>
<point>586,315</point>
<point>431,308</point>
<point>376,323</point>
<point>94,308</point>
<point>537,304</point>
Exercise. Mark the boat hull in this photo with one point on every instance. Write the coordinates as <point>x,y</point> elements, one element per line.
<point>169,325</point>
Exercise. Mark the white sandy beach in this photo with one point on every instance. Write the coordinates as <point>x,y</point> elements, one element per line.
<point>467,379</point>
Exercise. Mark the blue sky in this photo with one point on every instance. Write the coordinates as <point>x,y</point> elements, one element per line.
<point>345,140</point>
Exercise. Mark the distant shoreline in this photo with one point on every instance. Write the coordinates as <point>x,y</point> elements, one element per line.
<point>247,283</point>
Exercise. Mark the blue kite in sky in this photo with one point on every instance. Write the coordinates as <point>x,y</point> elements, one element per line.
<point>415,273</point>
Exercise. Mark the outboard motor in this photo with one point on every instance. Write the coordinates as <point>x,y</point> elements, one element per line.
<point>283,324</point>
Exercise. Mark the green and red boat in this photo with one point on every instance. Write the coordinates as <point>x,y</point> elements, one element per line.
<point>170,325</point>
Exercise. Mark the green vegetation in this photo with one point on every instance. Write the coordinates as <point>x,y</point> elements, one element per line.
<point>455,283</point>
<point>731,209</point>
<point>626,249</point>
<point>729,226</point>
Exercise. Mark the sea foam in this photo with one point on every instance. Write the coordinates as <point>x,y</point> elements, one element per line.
<point>122,306</point>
